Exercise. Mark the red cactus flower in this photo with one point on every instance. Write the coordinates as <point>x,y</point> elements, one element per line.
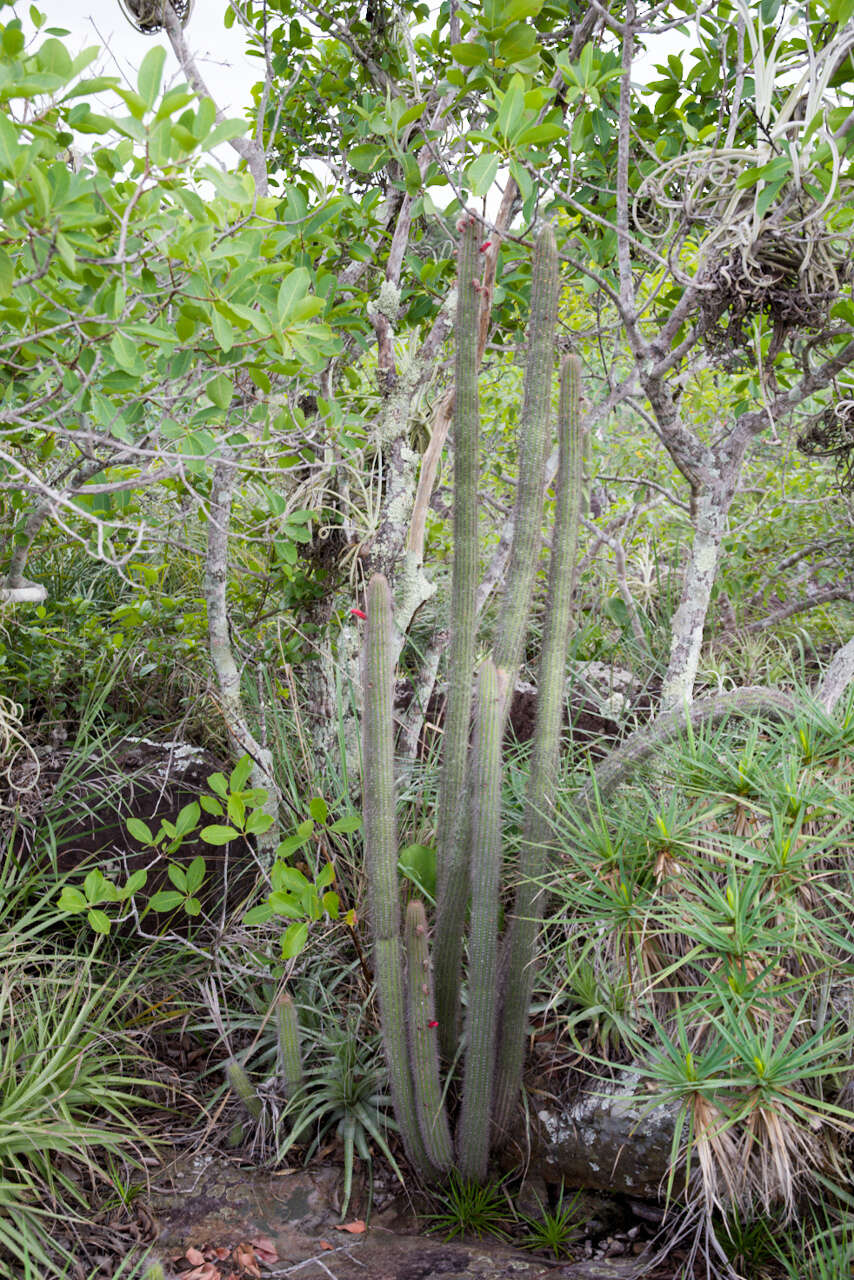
<point>432,1024</point>
<point>359,613</point>
<point>486,244</point>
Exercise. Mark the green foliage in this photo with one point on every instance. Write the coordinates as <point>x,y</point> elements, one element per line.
<point>555,1230</point>
<point>468,1207</point>
<point>699,947</point>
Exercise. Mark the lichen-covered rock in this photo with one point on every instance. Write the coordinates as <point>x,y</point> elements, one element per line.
<point>608,1137</point>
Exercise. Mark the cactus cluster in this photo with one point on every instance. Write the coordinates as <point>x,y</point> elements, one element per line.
<point>468,821</point>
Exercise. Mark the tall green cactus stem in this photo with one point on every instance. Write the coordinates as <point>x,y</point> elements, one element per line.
<point>534,436</point>
<point>473,1137</point>
<point>242,1086</point>
<point>290,1055</point>
<point>537,832</point>
<point>423,1043</point>
<point>380,836</point>
<point>451,853</point>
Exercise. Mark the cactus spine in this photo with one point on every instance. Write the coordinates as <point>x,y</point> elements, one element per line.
<point>423,1042</point>
<point>537,831</point>
<point>450,830</point>
<point>380,832</point>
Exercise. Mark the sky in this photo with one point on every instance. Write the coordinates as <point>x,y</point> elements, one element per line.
<point>220,53</point>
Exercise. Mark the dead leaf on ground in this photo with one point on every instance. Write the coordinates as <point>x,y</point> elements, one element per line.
<point>207,1271</point>
<point>244,1257</point>
<point>355,1228</point>
<point>194,1256</point>
<point>324,1244</point>
<point>265,1249</point>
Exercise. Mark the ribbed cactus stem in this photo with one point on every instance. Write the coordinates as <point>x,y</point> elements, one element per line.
<point>534,435</point>
<point>473,1137</point>
<point>290,1053</point>
<point>380,837</point>
<point>423,1041</point>
<point>451,853</point>
<point>537,833</point>
<point>243,1087</point>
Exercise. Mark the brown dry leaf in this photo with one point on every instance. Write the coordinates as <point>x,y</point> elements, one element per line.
<point>207,1271</point>
<point>195,1256</point>
<point>244,1257</point>
<point>355,1228</point>
<point>324,1244</point>
<point>222,1252</point>
<point>265,1249</point>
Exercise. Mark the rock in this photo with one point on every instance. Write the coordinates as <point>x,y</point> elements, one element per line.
<point>606,1138</point>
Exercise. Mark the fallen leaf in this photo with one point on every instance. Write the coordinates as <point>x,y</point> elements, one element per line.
<point>324,1244</point>
<point>244,1257</point>
<point>265,1249</point>
<point>207,1271</point>
<point>355,1228</point>
<point>222,1252</point>
<point>195,1256</point>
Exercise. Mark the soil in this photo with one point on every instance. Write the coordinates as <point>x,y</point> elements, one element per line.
<point>287,1222</point>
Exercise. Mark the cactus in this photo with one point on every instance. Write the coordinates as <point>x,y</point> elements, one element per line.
<point>423,1045</point>
<point>470,788</point>
<point>450,835</point>
<point>290,1055</point>
<point>536,831</point>
<point>239,1081</point>
<point>473,1137</point>
<point>380,831</point>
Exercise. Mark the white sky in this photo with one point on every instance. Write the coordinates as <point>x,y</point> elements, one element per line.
<point>220,53</point>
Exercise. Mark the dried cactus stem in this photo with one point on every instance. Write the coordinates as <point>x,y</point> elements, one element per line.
<point>380,833</point>
<point>473,1138</point>
<point>290,1053</point>
<point>537,833</point>
<point>534,435</point>
<point>241,1084</point>
<point>423,1042</point>
<point>451,850</point>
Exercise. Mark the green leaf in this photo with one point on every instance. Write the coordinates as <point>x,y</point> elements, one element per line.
<point>224,334</point>
<point>195,874</point>
<point>135,882</point>
<point>768,195</point>
<point>192,906</point>
<point>140,830</point>
<point>210,805</point>
<point>285,904</point>
<point>8,142</point>
<point>469,55</point>
<point>218,834</point>
<point>327,875</point>
<point>187,818</point>
<point>352,822</point>
<point>99,921</point>
<point>150,74</point>
<point>294,939</point>
<point>289,879</point>
<point>318,809</point>
<point>258,822</point>
<point>512,107</point>
<point>365,158</point>
<point>331,905</point>
<point>220,391</point>
<point>240,774</point>
<point>481,174</point>
<point>72,899</point>
<point>293,289</point>
<point>7,274</point>
<point>168,900</point>
<point>218,784</point>
<point>259,915</point>
<point>178,876</point>
<point>417,862</point>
